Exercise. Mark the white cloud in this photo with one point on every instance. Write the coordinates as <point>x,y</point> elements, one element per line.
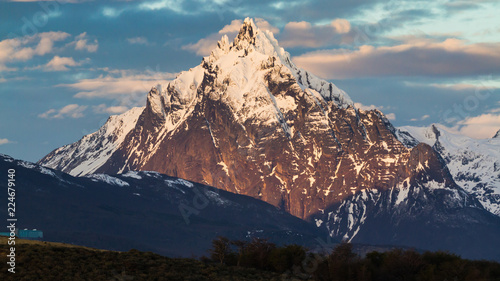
<point>4,141</point>
<point>481,83</point>
<point>415,57</point>
<point>305,34</point>
<point>480,127</point>
<point>103,108</point>
<point>205,45</point>
<point>11,79</point>
<point>422,118</point>
<point>390,116</point>
<point>60,1</point>
<point>262,24</point>
<point>173,5</point>
<point>47,39</point>
<point>369,107</point>
<point>138,40</point>
<point>58,63</point>
<point>341,25</point>
<point>126,86</point>
<point>81,42</point>
<point>70,110</point>
<point>24,48</point>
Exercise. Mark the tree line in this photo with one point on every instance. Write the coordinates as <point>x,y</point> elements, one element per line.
<point>294,262</point>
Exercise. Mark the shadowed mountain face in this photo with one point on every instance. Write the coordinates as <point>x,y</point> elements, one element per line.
<point>248,121</point>
<point>144,210</point>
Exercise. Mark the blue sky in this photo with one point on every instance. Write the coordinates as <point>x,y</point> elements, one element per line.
<point>65,66</point>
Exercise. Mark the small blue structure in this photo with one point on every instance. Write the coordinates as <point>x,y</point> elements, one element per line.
<point>29,234</point>
<point>25,233</point>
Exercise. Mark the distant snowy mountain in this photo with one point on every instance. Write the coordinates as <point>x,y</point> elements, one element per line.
<point>473,163</point>
<point>92,151</point>
<point>248,121</point>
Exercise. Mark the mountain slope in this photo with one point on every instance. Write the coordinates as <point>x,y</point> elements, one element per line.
<point>82,157</point>
<point>473,163</point>
<point>427,211</point>
<point>143,210</point>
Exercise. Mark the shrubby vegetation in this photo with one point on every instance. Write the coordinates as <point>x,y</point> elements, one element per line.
<point>294,262</point>
<point>59,263</point>
<point>257,259</point>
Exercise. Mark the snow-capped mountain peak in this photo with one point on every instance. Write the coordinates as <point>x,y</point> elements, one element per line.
<point>260,50</point>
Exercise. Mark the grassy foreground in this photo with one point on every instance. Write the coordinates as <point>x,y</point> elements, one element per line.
<point>238,260</point>
<point>38,260</point>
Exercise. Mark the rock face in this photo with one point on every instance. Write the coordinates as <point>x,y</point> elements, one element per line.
<point>247,120</point>
<point>473,163</point>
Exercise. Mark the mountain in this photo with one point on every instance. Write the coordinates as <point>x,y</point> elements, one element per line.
<point>473,163</point>
<point>143,210</point>
<point>248,121</point>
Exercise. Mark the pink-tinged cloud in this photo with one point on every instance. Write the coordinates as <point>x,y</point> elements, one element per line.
<point>369,107</point>
<point>82,42</point>
<point>4,141</point>
<point>58,63</point>
<point>21,49</point>
<point>127,87</point>
<point>138,40</point>
<point>104,109</point>
<point>423,57</point>
<point>480,127</point>
<point>390,116</point>
<point>305,34</point>
<point>70,110</point>
<point>422,118</point>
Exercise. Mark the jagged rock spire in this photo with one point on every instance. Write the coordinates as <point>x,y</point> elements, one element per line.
<point>247,34</point>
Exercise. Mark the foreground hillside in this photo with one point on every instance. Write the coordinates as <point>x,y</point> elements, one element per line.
<point>56,261</point>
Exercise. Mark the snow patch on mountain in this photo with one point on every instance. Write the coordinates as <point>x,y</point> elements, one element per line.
<point>132,174</point>
<point>108,179</point>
